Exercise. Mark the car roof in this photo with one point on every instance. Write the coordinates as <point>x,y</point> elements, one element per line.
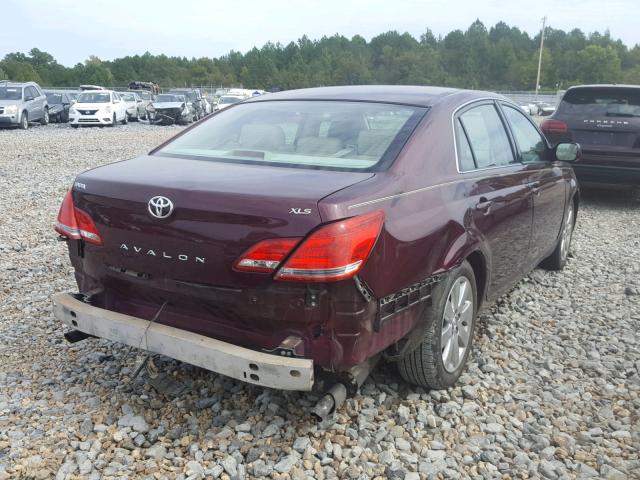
<point>402,94</point>
<point>604,85</point>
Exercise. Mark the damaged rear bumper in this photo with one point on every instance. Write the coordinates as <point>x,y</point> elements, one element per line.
<point>253,367</point>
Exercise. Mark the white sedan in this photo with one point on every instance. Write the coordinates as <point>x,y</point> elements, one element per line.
<point>98,107</point>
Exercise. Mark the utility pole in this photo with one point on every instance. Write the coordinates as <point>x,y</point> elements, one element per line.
<point>544,23</point>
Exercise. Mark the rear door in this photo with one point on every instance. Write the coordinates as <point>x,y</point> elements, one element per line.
<point>32,104</point>
<point>499,189</point>
<point>547,182</point>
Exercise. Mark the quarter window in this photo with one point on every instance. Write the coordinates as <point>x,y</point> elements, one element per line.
<point>465,156</point>
<point>487,137</point>
<point>530,143</point>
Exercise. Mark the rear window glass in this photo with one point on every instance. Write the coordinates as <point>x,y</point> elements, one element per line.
<point>312,134</point>
<point>613,102</point>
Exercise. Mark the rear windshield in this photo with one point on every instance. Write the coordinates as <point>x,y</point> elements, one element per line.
<point>10,93</point>
<point>611,102</point>
<point>312,134</point>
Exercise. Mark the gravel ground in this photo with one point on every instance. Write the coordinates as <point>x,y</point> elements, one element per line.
<point>552,390</point>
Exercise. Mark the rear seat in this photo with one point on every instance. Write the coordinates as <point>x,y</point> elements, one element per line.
<point>319,145</point>
<point>374,142</point>
<point>262,136</point>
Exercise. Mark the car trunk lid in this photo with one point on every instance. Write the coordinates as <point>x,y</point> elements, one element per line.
<point>220,210</point>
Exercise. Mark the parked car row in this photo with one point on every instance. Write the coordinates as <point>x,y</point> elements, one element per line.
<point>24,102</point>
<point>541,109</point>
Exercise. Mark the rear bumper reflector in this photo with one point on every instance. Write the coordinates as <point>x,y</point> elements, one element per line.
<point>253,367</point>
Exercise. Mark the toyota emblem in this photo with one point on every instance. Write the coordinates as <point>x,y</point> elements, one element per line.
<point>160,207</point>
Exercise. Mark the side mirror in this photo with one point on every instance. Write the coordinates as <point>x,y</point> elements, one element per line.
<point>28,98</point>
<point>568,152</point>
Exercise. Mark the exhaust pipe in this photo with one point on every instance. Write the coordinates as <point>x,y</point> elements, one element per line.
<point>337,394</point>
<point>75,336</point>
<point>330,402</point>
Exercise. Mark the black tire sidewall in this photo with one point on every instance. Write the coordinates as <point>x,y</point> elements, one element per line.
<point>450,378</point>
<point>24,121</point>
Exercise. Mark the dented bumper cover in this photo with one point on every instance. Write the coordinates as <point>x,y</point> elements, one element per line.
<point>244,364</point>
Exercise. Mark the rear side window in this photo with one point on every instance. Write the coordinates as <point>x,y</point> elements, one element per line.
<point>602,101</point>
<point>530,144</point>
<point>487,137</point>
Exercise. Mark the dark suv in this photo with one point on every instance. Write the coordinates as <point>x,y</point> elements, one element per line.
<point>605,121</point>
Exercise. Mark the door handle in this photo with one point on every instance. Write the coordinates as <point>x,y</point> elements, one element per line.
<point>535,188</point>
<point>484,205</point>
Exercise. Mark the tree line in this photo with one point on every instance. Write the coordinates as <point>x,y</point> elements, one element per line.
<point>499,58</point>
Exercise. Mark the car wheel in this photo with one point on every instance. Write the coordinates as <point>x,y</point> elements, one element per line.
<point>45,117</point>
<point>113,121</point>
<point>440,358</point>
<point>74,126</point>
<point>558,259</point>
<point>125,120</point>
<point>24,121</point>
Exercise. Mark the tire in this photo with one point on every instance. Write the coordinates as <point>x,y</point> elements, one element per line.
<point>125,120</point>
<point>558,259</point>
<point>113,121</point>
<point>433,364</point>
<point>24,121</point>
<point>74,126</point>
<point>45,117</point>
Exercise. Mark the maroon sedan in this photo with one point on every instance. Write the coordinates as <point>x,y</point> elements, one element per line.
<point>293,239</point>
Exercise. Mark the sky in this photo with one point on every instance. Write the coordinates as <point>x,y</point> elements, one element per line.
<point>73,30</point>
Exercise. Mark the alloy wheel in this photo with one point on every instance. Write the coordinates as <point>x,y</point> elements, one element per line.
<point>567,232</point>
<point>457,321</point>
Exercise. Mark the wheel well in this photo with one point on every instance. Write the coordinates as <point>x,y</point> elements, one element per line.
<point>478,264</point>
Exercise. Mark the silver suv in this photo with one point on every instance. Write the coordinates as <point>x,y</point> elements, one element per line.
<point>21,103</point>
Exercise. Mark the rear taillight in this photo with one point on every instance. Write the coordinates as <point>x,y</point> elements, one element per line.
<point>265,256</point>
<point>335,251</point>
<point>75,223</point>
<point>554,126</point>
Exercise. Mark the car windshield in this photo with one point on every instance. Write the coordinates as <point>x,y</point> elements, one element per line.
<point>54,97</point>
<point>312,134</point>
<point>612,102</point>
<point>230,100</point>
<point>128,97</point>
<point>169,98</point>
<point>94,97</point>
<point>10,93</point>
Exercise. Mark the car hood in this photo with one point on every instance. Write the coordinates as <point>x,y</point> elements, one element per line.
<point>4,103</point>
<point>90,106</point>
<point>168,104</point>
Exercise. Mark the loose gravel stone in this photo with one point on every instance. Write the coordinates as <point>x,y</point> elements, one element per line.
<point>551,391</point>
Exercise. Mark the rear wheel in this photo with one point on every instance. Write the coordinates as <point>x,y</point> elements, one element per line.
<point>440,358</point>
<point>558,259</point>
<point>45,117</point>
<point>24,121</point>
